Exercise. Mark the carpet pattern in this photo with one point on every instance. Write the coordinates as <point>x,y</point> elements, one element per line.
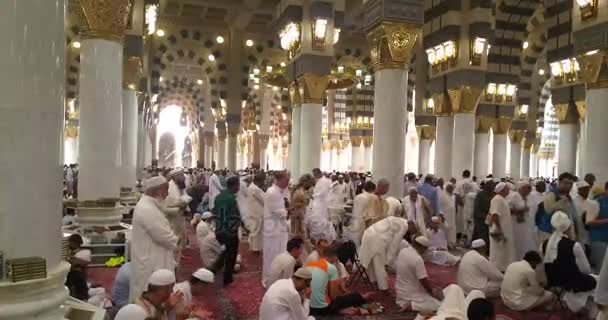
<point>241,299</point>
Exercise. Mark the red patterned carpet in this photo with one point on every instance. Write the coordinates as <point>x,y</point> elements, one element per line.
<point>241,299</point>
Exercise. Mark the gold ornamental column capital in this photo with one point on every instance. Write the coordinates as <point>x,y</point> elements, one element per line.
<point>516,135</point>
<point>208,137</point>
<point>465,99</point>
<point>581,108</point>
<point>106,19</point>
<point>71,131</point>
<point>484,124</point>
<point>294,95</point>
<point>132,72</point>
<point>356,141</point>
<point>233,131</point>
<point>392,44</point>
<point>442,106</point>
<point>528,143</point>
<point>565,113</point>
<point>221,135</point>
<point>367,141</point>
<point>593,69</point>
<point>502,125</point>
<point>426,132</point>
<point>312,87</point>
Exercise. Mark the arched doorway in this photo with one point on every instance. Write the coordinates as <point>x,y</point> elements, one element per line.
<point>166,150</point>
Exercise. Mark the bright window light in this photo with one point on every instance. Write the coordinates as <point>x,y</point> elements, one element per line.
<point>219,39</point>
<point>170,122</point>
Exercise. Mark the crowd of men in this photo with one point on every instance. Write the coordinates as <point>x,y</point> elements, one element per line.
<point>519,239</point>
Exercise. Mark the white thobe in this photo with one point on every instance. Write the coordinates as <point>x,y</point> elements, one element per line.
<point>215,187</point>
<point>582,207</point>
<point>395,208</point>
<point>175,205</point>
<point>203,229</point>
<point>320,198</point>
<point>522,231</point>
<point>210,250</point>
<point>476,272</point>
<point>502,252</point>
<point>520,288</point>
<point>313,256</point>
<point>467,212</point>
<point>379,247</point>
<point>283,302</point>
<point>415,212</point>
<point>153,244</point>
<point>282,267</point>
<point>410,270</point>
<point>255,220</point>
<point>355,229</point>
<point>276,228</point>
<point>438,251</point>
<point>447,206</point>
<point>241,200</point>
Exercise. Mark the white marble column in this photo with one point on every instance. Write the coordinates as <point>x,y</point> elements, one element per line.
<point>141,146</point>
<point>595,152</point>
<point>70,150</point>
<point>515,161</point>
<point>310,141</point>
<point>390,120</point>
<point>533,163</point>
<point>32,84</point>
<point>481,159</point>
<point>100,119</point>
<point>149,149</point>
<point>356,154</point>
<point>231,151</point>
<point>424,156</point>
<point>463,142</point>
<point>264,139</point>
<point>580,149</point>
<point>566,155</point>
<point>443,146</point>
<point>294,151</point>
<point>525,162</point>
<point>221,152</point>
<point>499,156</point>
<point>129,138</point>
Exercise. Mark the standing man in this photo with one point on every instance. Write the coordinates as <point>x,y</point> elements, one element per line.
<point>320,197</point>
<point>255,201</point>
<point>177,206</point>
<point>482,209</point>
<point>377,208</point>
<point>354,230</point>
<point>502,241</point>
<point>416,210</point>
<point>430,192</point>
<point>153,242</point>
<point>227,227</point>
<point>276,230</point>
<point>559,199</point>
<point>447,207</point>
<point>215,187</point>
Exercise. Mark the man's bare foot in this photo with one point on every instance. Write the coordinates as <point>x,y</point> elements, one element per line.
<point>349,311</point>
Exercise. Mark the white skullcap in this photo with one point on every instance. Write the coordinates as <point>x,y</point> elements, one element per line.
<point>486,180</point>
<point>499,187</point>
<point>340,176</point>
<point>412,189</point>
<point>175,172</point>
<point>303,273</point>
<point>154,182</point>
<point>560,221</point>
<point>478,243</point>
<point>423,241</point>
<point>196,218</point>
<point>436,219</point>
<point>206,215</point>
<point>582,184</point>
<point>523,183</point>
<point>204,275</point>
<point>162,277</point>
<point>131,312</point>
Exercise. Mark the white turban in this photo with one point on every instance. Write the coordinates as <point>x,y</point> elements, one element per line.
<point>423,241</point>
<point>131,312</point>
<point>560,222</point>
<point>478,243</point>
<point>523,183</point>
<point>499,187</point>
<point>175,172</point>
<point>204,275</point>
<point>154,182</point>
<point>435,219</point>
<point>162,277</point>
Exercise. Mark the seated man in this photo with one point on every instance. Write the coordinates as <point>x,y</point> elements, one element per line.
<point>76,280</point>
<point>212,254</point>
<point>520,290</point>
<point>413,288</point>
<point>288,298</point>
<point>324,278</point>
<point>563,256</point>
<point>476,272</point>
<point>120,289</point>
<point>131,312</point>
<point>193,287</point>
<point>481,309</point>
<point>158,300</point>
<point>283,265</point>
<point>438,251</point>
<point>316,254</point>
<point>204,227</point>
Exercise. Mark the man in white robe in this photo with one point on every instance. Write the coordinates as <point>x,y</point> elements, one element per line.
<point>320,196</point>
<point>523,219</point>
<point>255,219</point>
<point>476,272</point>
<point>153,243</point>
<point>379,247</point>
<point>502,242</point>
<point>337,199</point>
<point>356,227</point>
<point>412,286</point>
<point>288,299</point>
<point>204,227</point>
<point>283,265</point>
<point>447,207</point>
<point>215,187</point>
<point>438,251</point>
<point>414,206</point>
<point>520,288</point>
<point>176,207</point>
<point>276,228</point>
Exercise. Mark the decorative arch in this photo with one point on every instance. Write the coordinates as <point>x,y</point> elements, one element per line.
<point>166,150</point>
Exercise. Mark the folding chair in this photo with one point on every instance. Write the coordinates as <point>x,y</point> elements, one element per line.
<point>358,271</point>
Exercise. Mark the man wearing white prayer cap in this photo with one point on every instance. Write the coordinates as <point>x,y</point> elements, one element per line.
<point>475,272</point>
<point>153,242</point>
<point>285,299</point>
<point>194,286</point>
<point>131,312</point>
<point>204,228</point>
<point>586,209</point>
<point>158,300</point>
<point>413,288</point>
<point>438,250</point>
<point>177,206</point>
<point>502,243</point>
<point>563,256</point>
<point>523,211</point>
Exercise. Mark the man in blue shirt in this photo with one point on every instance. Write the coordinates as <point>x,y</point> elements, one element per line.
<point>429,191</point>
<point>120,289</point>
